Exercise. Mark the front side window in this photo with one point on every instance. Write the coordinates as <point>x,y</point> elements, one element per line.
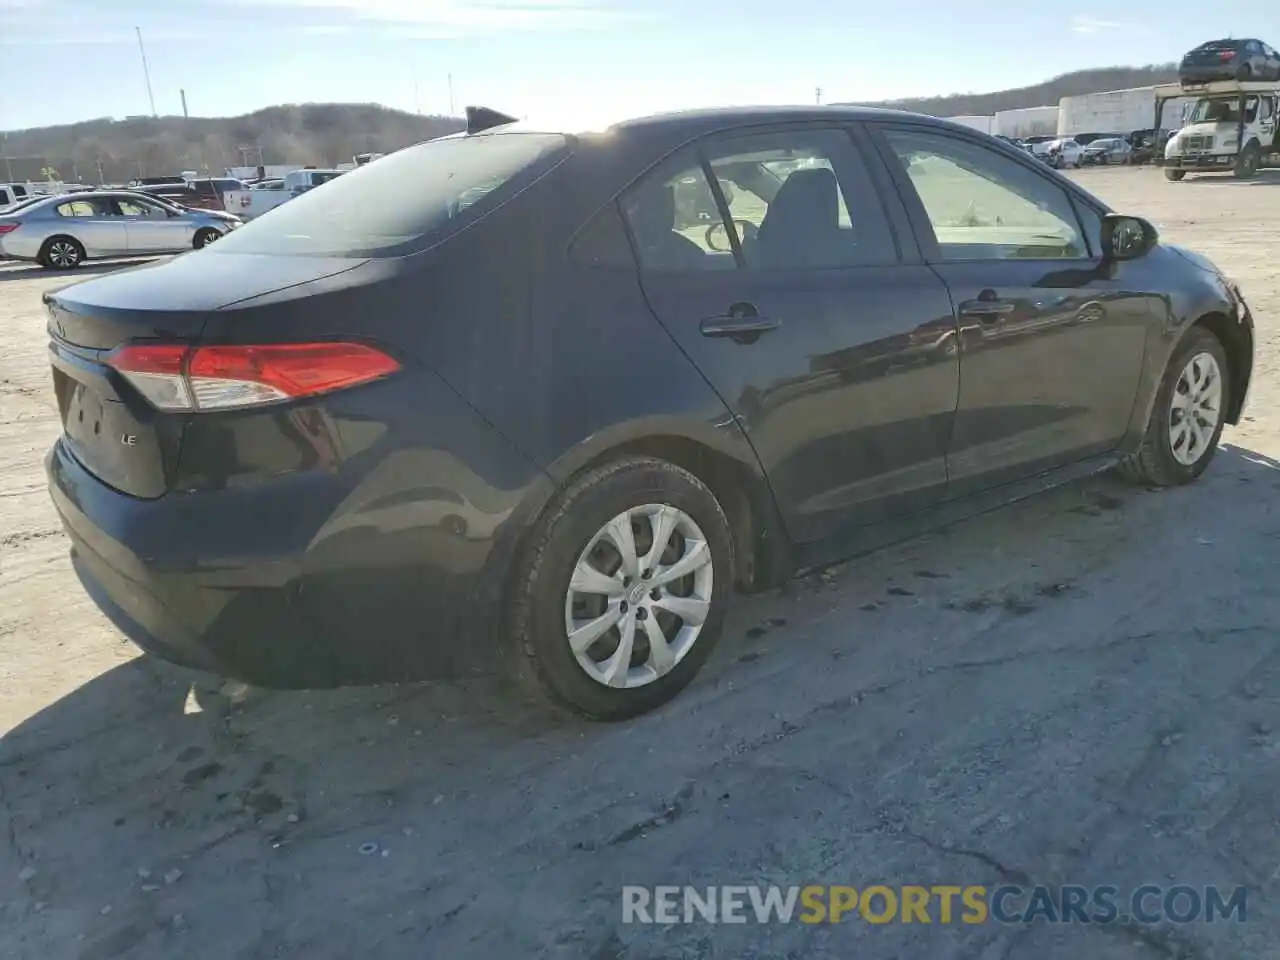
<point>136,208</point>
<point>404,200</point>
<point>983,205</point>
<point>801,199</point>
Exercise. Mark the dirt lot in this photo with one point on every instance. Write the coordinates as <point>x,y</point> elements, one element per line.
<point>1084,688</point>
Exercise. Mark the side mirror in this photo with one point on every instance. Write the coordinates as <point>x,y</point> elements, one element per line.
<point>1127,238</point>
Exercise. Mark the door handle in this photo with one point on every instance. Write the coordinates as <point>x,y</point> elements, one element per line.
<point>742,322</point>
<point>987,309</point>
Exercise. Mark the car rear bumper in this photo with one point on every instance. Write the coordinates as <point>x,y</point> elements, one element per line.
<point>271,602</point>
<point>1208,73</point>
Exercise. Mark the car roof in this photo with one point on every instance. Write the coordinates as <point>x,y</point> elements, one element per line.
<point>679,126</point>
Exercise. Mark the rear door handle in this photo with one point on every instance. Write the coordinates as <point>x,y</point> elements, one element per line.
<point>986,309</point>
<point>742,322</point>
<point>737,326</point>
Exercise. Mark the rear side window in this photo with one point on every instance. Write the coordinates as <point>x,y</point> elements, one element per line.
<point>390,207</point>
<point>77,208</point>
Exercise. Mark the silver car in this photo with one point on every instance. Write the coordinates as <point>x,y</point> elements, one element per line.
<point>60,233</point>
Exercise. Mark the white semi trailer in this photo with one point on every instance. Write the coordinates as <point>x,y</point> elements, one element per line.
<point>1118,112</point>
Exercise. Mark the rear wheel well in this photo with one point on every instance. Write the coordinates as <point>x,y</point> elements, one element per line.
<point>1237,342</point>
<point>759,544</point>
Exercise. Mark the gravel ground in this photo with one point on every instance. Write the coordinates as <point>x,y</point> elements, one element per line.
<point>1083,688</point>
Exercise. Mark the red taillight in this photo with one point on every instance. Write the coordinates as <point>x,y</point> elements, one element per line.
<point>175,377</point>
<point>1226,54</point>
<point>8,228</point>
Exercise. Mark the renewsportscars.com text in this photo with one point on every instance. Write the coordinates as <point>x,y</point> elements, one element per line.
<point>973,904</point>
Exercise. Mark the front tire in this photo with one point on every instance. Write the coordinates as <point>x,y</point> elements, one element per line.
<point>1247,163</point>
<point>205,237</point>
<point>1173,176</point>
<point>1187,417</point>
<point>61,253</point>
<point>621,592</point>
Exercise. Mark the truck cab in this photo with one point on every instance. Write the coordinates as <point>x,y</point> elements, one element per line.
<point>1231,127</point>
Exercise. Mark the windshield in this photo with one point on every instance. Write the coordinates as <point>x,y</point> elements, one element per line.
<point>387,208</point>
<point>1224,111</point>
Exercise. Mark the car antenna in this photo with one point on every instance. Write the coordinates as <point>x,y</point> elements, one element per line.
<point>484,118</point>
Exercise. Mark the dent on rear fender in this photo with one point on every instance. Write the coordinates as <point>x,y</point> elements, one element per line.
<point>416,507</point>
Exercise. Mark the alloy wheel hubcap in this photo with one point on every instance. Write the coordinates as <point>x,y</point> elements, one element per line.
<point>639,596</point>
<point>63,254</point>
<point>1196,409</point>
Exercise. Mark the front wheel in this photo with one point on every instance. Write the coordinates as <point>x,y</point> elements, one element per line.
<point>205,237</point>
<point>1174,175</point>
<point>1247,163</point>
<point>1187,417</point>
<point>621,592</point>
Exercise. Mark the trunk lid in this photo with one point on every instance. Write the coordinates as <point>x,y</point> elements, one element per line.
<point>107,425</point>
<point>1211,54</point>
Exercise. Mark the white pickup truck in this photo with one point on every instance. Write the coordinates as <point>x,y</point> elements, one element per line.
<point>247,204</point>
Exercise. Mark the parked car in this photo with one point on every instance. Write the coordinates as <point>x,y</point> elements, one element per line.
<point>1146,144</point>
<point>1039,146</point>
<point>1110,150</point>
<point>1064,153</point>
<point>207,193</point>
<point>11,193</point>
<point>386,434</point>
<point>60,233</point>
<point>1230,60</point>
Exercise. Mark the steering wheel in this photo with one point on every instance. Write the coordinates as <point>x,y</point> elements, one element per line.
<point>747,232</point>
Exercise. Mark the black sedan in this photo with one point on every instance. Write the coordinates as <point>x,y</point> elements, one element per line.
<point>481,404</point>
<point>1230,60</point>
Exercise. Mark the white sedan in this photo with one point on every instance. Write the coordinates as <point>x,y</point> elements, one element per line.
<point>62,232</point>
<point>1064,153</point>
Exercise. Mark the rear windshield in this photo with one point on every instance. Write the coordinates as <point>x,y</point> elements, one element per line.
<point>387,208</point>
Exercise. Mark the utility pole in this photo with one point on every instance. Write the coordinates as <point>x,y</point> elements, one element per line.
<point>452,111</point>
<point>146,71</point>
<point>183,94</point>
<point>817,95</point>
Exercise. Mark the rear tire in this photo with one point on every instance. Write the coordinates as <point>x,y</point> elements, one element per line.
<point>569,579</point>
<point>1158,462</point>
<point>1173,176</point>
<point>205,237</point>
<point>1247,162</point>
<point>61,253</point>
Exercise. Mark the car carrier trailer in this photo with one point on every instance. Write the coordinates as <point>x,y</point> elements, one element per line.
<point>1231,128</point>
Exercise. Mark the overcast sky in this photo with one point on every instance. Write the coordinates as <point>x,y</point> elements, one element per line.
<point>590,60</point>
